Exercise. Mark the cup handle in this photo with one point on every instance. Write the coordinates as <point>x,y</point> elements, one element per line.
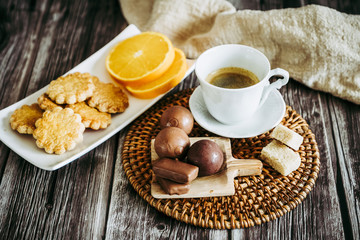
<point>277,84</point>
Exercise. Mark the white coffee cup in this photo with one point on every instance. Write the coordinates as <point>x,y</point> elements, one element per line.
<point>231,106</point>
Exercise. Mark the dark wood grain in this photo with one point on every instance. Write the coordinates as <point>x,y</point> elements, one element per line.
<point>72,201</point>
<point>91,198</point>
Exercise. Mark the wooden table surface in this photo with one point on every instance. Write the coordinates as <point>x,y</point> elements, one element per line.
<point>91,198</point>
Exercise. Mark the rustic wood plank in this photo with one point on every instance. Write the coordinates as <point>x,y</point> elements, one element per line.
<point>19,51</point>
<point>322,202</point>
<point>124,202</point>
<point>342,124</point>
<point>130,216</point>
<point>83,188</point>
<point>68,202</point>
<point>4,154</point>
<point>21,181</point>
<point>72,201</point>
<point>345,120</point>
<point>240,5</point>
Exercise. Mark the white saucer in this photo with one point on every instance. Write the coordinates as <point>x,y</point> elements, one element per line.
<point>265,118</point>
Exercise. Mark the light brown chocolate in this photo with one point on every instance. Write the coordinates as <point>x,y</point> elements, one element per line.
<point>177,116</point>
<point>171,142</point>
<point>175,170</point>
<point>172,187</point>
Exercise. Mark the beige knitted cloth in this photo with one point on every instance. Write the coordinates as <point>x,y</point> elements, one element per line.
<point>319,46</point>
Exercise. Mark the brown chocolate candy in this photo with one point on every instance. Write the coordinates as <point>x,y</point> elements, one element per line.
<point>172,187</point>
<point>207,155</point>
<point>177,116</point>
<point>171,142</point>
<point>175,170</point>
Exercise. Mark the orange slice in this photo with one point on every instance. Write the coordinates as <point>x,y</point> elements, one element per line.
<point>141,58</point>
<point>164,83</point>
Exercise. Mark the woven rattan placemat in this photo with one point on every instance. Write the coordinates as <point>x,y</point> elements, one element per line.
<point>258,199</point>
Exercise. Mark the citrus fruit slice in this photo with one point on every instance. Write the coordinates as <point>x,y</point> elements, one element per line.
<point>141,58</point>
<point>165,82</point>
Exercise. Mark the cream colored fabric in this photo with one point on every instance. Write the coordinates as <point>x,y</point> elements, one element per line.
<point>319,46</point>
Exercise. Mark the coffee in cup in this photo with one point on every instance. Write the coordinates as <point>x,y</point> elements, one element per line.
<point>232,77</point>
<point>237,104</point>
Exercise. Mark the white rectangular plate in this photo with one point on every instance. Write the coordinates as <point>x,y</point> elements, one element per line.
<point>25,146</point>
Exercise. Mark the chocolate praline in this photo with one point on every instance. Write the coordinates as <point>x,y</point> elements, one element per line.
<point>177,116</point>
<point>171,142</point>
<point>207,155</point>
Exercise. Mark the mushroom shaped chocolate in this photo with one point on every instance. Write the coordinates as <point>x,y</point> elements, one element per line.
<point>172,142</point>
<point>177,116</point>
<point>207,155</point>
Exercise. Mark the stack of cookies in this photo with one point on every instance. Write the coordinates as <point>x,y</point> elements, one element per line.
<point>71,104</point>
<point>281,153</point>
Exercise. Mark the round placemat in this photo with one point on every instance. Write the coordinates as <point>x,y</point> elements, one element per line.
<point>257,199</point>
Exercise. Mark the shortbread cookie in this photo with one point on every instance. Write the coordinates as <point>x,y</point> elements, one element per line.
<point>23,119</point>
<point>280,157</point>
<point>91,117</point>
<point>46,103</point>
<point>108,98</point>
<point>58,130</point>
<point>72,88</point>
<point>287,137</point>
